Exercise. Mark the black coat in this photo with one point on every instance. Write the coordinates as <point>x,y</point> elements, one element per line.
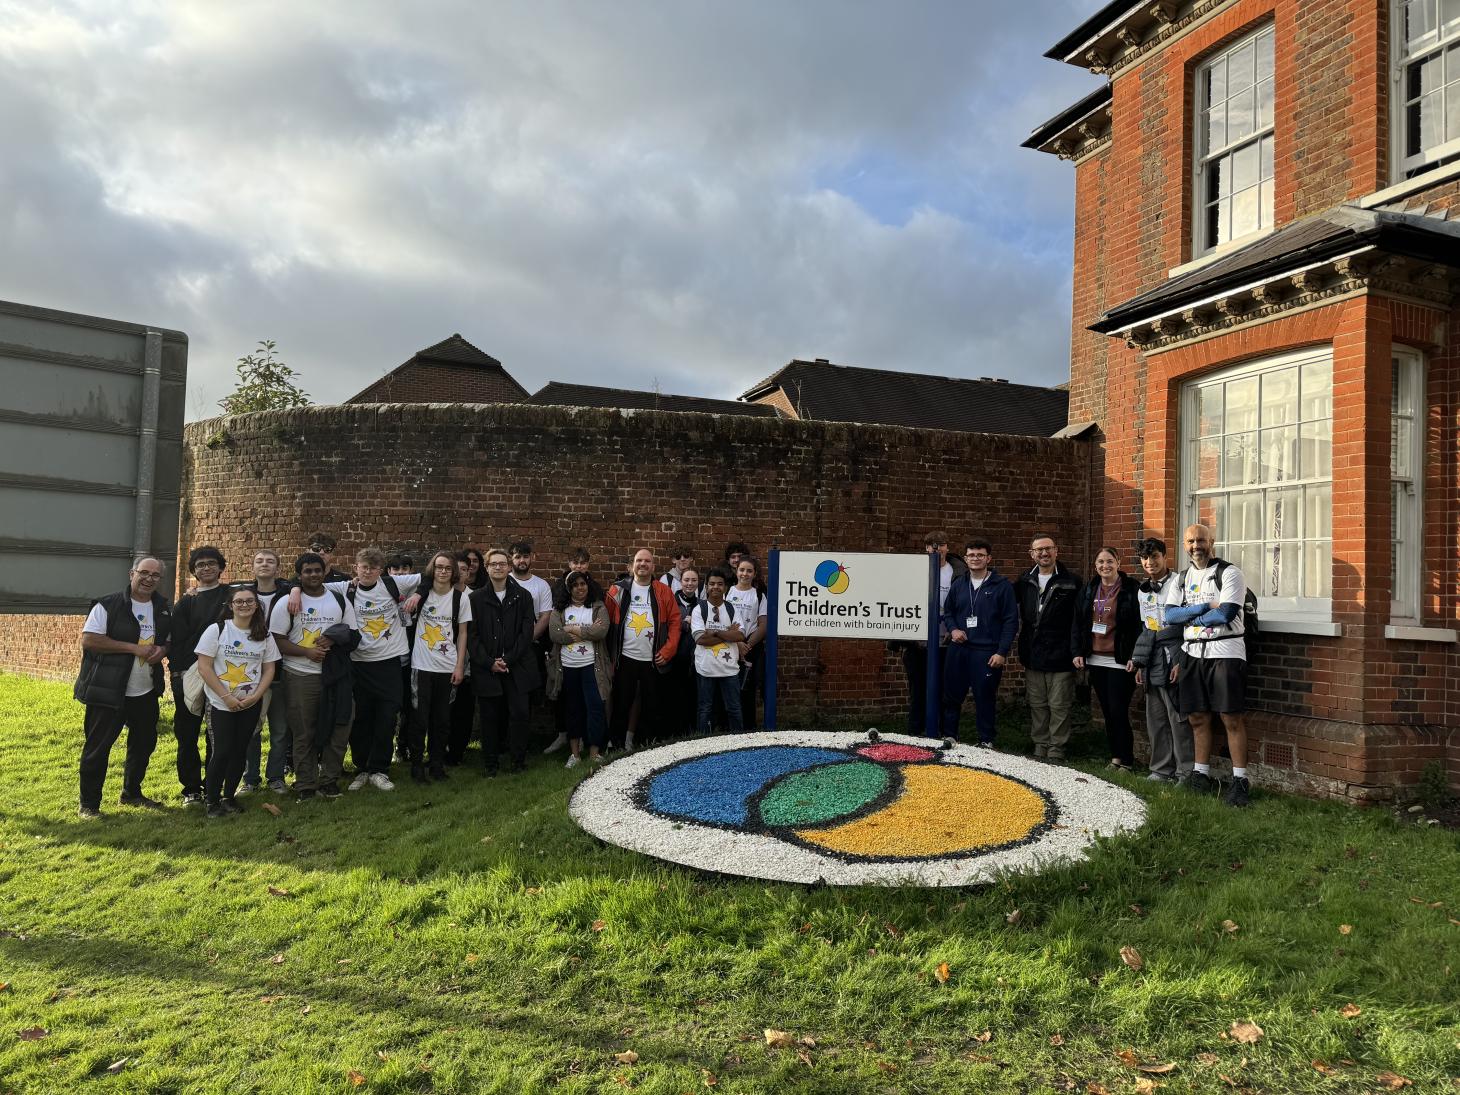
<point>1127,618</point>
<point>103,677</point>
<point>1045,620</point>
<point>502,628</point>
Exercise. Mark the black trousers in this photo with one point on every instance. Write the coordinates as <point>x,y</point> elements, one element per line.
<point>504,727</point>
<point>431,719</point>
<point>187,728</point>
<point>103,726</point>
<point>752,680</point>
<point>377,694</point>
<point>1114,689</point>
<point>915,666</point>
<point>229,733</point>
<point>407,716</point>
<point>634,680</point>
<point>463,711</point>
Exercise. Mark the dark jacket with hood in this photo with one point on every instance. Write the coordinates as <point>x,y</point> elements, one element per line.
<point>1045,619</point>
<point>336,682</point>
<point>502,628</point>
<point>1127,618</point>
<point>103,677</point>
<point>992,603</point>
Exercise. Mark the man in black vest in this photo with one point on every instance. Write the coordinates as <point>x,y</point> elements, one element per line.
<point>122,646</point>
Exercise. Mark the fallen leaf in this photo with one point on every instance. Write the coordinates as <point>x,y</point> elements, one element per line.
<point>803,1057</point>
<point>356,1078</point>
<point>1146,1087</point>
<point>472,959</point>
<point>534,890</point>
<point>1208,1059</point>
<point>599,925</point>
<point>1452,920</point>
<point>117,1066</point>
<point>4,986</point>
<point>627,1057</point>
<point>382,1054</point>
<point>279,891</point>
<point>941,973</point>
<point>1138,910</point>
<point>1132,958</point>
<point>269,806</point>
<point>1128,1058</point>
<point>778,1038</point>
<point>983,1036</point>
<point>485,840</point>
<point>270,999</point>
<point>892,930</point>
<point>1392,1080</point>
<point>1081,779</point>
<point>1324,1070</point>
<point>1345,929</point>
<point>807,1041</point>
<point>978,1057</point>
<point>1092,1088</point>
<point>306,1009</point>
<point>1056,1039</point>
<point>1158,1070</point>
<point>1351,1011</point>
<point>1246,1032</point>
<point>887,1066</point>
<point>710,1078</point>
<point>1417,901</point>
<point>1013,917</point>
<point>1229,926</point>
<point>278,959</point>
<point>1083,887</point>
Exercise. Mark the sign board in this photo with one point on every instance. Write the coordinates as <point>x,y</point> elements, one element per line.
<point>91,417</point>
<point>849,595</point>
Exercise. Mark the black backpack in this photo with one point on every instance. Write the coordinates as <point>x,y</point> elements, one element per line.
<point>1250,622</point>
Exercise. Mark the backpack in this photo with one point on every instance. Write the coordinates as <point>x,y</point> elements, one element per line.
<point>389,584</point>
<point>1250,622</point>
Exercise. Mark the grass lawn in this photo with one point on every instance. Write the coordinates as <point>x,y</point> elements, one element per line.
<point>443,939</point>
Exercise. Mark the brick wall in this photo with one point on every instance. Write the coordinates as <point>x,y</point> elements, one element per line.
<point>420,477</point>
<point>48,647</point>
<point>439,382</point>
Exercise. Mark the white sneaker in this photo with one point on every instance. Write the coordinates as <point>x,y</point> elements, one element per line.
<point>360,780</point>
<point>381,782</point>
<point>573,761</point>
<point>559,742</point>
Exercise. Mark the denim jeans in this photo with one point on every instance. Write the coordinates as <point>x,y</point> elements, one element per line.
<point>729,691</point>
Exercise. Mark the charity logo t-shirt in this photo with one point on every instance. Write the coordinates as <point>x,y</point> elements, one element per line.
<point>1194,587</point>
<point>540,592</point>
<point>238,660</point>
<point>382,631</point>
<point>579,652</point>
<point>723,658</point>
<point>749,607</point>
<point>435,649</point>
<point>316,616</point>
<point>639,624</point>
<point>139,681</point>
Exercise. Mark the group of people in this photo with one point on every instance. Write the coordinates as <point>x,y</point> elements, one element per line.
<point>1181,635</point>
<point>389,662</point>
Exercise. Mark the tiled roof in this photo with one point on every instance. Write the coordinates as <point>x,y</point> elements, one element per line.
<point>454,353</point>
<point>556,393</point>
<point>843,393</point>
<point>457,349</point>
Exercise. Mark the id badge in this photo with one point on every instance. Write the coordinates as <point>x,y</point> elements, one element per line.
<point>1099,628</point>
<point>971,623</point>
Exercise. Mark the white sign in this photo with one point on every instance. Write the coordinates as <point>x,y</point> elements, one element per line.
<point>852,596</point>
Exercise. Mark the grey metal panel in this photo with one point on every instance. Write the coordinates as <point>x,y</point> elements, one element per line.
<point>73,414</point>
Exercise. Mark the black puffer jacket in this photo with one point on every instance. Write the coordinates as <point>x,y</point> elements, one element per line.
<point>1127,618</point>
<point>1045,619</point>
<point>1156,651</point>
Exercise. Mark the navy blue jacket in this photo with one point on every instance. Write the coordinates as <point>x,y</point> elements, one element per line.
<point>994,605</point>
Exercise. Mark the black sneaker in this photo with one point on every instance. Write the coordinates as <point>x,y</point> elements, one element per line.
<point>330,789</point>
<point>88,813</point>
<point>490,773</point>
<point>231,806</point>
<point>305,796</point>
<point>1238,793</point>
<point>419,774</point>
<point>438,773</point>
<point>192,798</point>
<point>140,800</point>
<point>215,809</point>
<point>1200,783</point>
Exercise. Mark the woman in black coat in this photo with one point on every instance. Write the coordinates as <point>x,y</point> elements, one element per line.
<point>1106,625</point>
<point>504,664</point>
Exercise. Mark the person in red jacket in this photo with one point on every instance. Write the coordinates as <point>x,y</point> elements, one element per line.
<point>644,626</point>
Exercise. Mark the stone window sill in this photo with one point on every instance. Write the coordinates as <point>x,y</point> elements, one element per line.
<point>1421,634</point>
<point>1294,626</point>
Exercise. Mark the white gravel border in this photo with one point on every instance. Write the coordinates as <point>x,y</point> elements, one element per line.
<point>1087,806</point>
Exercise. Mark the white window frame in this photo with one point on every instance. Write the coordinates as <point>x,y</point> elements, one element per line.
<point>1406,492</point>
<point>1402,57</point>
<point>1202,158</point>
<point>1301,612</point>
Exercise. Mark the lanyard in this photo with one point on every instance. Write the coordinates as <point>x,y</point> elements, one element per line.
<point>1102,603</point>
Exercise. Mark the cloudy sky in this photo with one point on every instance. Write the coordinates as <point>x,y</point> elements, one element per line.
<point>671,193</point>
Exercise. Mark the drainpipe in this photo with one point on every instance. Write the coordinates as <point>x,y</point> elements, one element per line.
<point>147,443</point>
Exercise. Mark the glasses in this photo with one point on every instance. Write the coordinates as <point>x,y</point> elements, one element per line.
<point>246,603</point>
<point>446,567</point>
<point>149,575</point>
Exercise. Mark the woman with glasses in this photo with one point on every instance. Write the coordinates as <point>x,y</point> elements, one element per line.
<point>237,659</point>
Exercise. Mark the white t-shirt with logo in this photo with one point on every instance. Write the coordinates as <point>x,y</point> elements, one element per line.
<point>382,630</point>
<point>139,681</point>
<point>1152,603</point>
<point>722,659</point>
<point>316,616</point>
<point>749,607</point>
<point>579,652</point>
<point>435,649</point>
<point>237,659</point>
<point>540,592</point>
<point>639,624</point>
<point>1195,587</point>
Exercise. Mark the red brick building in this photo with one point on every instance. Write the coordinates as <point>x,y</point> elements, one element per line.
<point>1267,229</point>
<point>452,371</point>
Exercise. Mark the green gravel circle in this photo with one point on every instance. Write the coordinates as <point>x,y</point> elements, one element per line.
<point>823,794</point>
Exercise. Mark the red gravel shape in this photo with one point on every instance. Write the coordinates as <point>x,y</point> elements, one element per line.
<point>895,754</point>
